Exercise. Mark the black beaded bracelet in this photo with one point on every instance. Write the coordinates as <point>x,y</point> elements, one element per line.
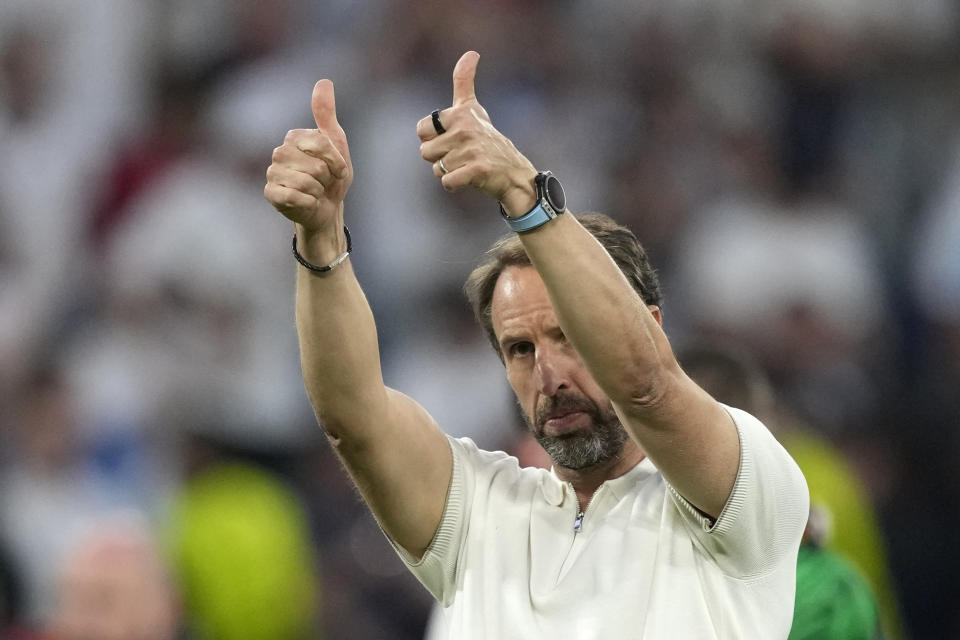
<point>343,256</point>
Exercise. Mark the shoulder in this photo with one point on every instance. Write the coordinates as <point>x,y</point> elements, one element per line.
<point>760,451</point>
<point>491,468</point>
<point>760,526</point>
<point>468,452</point>
<point>766,468</point>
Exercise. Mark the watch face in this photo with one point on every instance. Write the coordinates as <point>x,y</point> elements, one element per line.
<point>555,195</point>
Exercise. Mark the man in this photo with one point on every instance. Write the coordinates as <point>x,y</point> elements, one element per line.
<point>666,514</point>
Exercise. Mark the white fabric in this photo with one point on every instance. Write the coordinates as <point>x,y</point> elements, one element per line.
<point>507,564</point>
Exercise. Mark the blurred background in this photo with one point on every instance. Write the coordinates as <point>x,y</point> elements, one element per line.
<point>793,167</point>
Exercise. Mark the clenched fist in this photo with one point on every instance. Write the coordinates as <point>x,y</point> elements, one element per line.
<point>311,171</point>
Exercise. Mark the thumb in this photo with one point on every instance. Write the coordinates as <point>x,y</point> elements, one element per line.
<point>324,106</point>
<point>463,78</point>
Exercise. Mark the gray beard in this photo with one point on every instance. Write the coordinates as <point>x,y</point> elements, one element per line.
<point>600,442</point>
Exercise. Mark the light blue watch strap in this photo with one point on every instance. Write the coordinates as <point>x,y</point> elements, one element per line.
<point>536,217</point>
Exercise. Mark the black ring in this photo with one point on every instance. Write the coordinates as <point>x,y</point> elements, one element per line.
<point>436,122</point>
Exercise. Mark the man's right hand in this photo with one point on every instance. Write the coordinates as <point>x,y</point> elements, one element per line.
<point>400,460</point>
<point>311,171</point>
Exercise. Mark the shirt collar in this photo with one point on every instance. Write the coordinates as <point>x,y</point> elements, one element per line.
<point>554,489</point>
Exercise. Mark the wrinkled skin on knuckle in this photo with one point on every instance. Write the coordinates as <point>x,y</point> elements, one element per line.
<point>320,170</point>
<point>299,201</point>
<point>295,181</point>
<point>462,136</point>
<point>452,182</point>
<point>288,200</point>
<point>479,181</point>
<point>481,170</point>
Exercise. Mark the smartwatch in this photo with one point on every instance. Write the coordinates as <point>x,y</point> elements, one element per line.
<point>551,202</point>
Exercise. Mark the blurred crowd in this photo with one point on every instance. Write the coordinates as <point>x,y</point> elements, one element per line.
<point>793,167</point>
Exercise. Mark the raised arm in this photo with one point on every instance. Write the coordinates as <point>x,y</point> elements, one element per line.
<point>393,450</point>
<point>679,426</point>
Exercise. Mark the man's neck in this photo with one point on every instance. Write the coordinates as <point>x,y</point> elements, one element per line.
<point>586,481</point>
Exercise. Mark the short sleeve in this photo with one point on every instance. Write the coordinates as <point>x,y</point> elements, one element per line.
<point>763,519</point>
<point>437,569</point>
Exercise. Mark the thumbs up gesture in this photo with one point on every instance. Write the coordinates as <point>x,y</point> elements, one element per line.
<point>311,172</point>
<point>471,152</point>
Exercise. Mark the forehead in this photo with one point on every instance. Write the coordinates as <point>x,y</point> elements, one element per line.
<point>519,295</point>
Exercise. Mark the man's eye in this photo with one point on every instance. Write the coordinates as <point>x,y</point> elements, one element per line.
<point>520,349</point>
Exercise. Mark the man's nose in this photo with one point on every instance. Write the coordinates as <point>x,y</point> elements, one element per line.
<point>553,372</point>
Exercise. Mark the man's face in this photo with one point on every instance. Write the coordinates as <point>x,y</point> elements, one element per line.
<point>564,407</point>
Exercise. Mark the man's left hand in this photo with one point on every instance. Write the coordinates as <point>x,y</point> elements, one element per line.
<point>472,151</point>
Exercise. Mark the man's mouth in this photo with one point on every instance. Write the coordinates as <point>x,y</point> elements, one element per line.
<point>561,423</point>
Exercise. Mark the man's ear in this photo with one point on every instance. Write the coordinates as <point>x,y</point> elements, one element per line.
<point>657,314</point>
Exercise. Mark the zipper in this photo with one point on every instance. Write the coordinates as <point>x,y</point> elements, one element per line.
<point>578,522</point>
<point>576,540</point>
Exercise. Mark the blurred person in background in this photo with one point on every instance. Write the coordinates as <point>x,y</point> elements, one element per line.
<point>842,562</point>
<point>53,487</point>
<point>431,493</point>
<point>115,586</point>
<point>803,289</point>
<point>71,83</point>
<point>240,547</point>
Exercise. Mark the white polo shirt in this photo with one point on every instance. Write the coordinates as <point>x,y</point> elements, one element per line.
<point>508,563</point>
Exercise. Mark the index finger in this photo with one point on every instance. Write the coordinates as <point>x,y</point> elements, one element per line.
<point>463,78</point>
<point>320,146</point>
<point>425,129</point>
